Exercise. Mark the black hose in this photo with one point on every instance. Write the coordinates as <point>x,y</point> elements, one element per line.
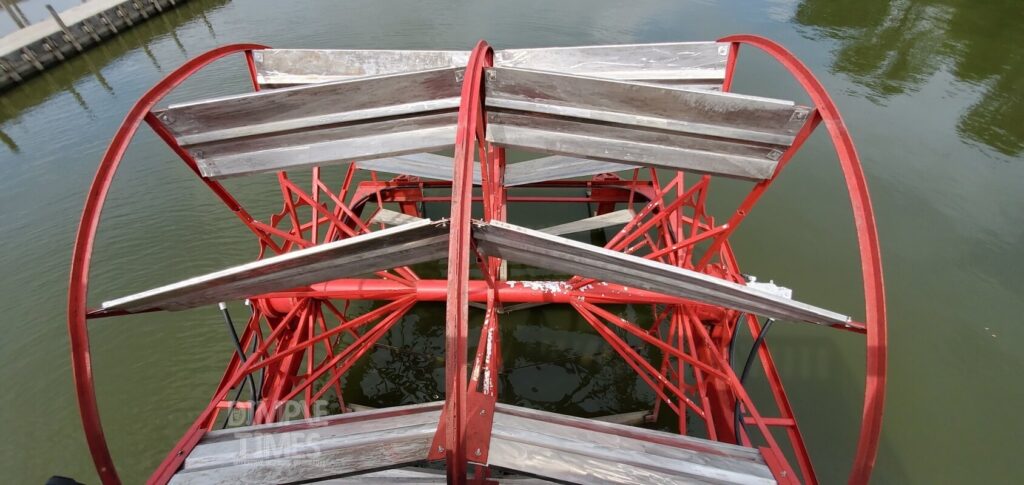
<point>241,355</point>
<point>746,369</point>
<point>732,340</point>
<point>232,408</point>
<point>255,345</point>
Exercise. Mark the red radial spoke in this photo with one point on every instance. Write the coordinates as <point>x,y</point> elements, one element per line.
<point>336,376</point>
<point>656,381</point>
<point>686,336</point>
<point>353,351</point>
<point>635,330</point>
<point>392,308</point>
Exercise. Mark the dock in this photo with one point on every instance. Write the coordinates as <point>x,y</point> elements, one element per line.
<point>34,48</point>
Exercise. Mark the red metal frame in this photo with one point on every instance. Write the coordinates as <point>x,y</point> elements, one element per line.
<point>671,225</point>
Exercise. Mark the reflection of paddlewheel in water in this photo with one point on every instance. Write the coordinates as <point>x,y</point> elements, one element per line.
<point>638,132</point>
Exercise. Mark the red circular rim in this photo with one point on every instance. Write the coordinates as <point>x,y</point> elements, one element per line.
<point>867,242</point>
<point>81,360</point>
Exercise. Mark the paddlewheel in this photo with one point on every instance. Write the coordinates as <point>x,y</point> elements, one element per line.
<point>642,130</point>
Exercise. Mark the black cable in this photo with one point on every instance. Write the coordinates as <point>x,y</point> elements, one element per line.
<point>255,345</point>
<point>232,408</point>
<point>746,369</point>
<point>732,340</point>
<point>241,355</point>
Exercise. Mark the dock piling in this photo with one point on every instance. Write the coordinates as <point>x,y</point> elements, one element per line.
<point>68,35</point>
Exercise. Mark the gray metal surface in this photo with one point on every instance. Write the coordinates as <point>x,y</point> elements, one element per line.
<point>670,439</point>
<point>639,124</point>
<point>320,123</point>
<point>602,221</point>
<point>635,418</point>
<point>557,167</point>
<point>440,167</point>
<point>409,475</point>
<point>587,451</point>
<point>391,218</point>
<point>694,65</point>
<point>689,64</point>
<point>417,475</point>
<point>612,123</point>
<point>424,165</point>
<point>285,67</point>
<point>528,246</point>
<point>383,442</point>
<point>398,246</point>
<point>313,448</point>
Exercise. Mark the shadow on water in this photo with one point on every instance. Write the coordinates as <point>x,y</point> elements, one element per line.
<point>35,91</point>
<point>892,47</point>
<point>551,361</point>
<point>811,363</point>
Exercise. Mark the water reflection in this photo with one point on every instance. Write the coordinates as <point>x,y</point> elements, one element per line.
<point>551,361</point>
<point>893,47</point>
<point>9,142</point>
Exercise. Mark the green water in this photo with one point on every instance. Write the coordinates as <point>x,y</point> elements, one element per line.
<point>932,92</point>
